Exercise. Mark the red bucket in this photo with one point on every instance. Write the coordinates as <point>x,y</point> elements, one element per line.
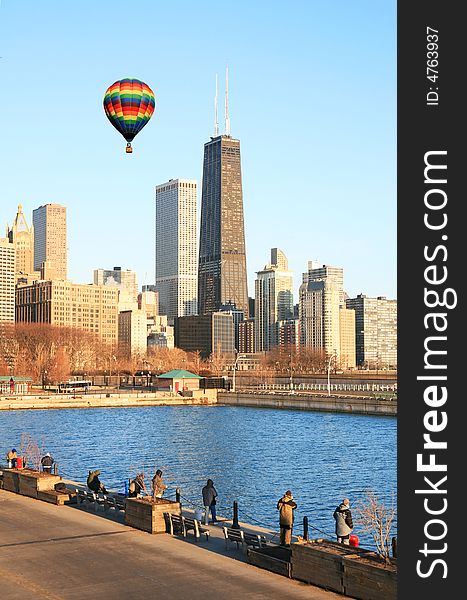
<point>19,462</point>
<point>353,541</point>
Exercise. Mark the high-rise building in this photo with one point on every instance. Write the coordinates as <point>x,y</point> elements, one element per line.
<point>148,301</point>
<point>176,247</point>
<point>321,296</point>
<point>246,336</point>
<point>7,281</point>
<point>21,235</point>
<point>124,281</point>
<point>92,308</point>
<point>288,332</point>
<point>237,316</point>
<point>160,334</point>
<point>208,334</point>
<point>50,239</point>
<point>375,331</point>
<point>273,300</point>
<point>222,275</point>
<point>132,333</point>
<point>347,338</point>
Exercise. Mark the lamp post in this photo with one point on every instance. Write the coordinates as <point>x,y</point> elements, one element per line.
<point>44,378</point>
<point>235,370</point>
<point>329,372</point>
<point>118,372</point>
<point>290,365</point>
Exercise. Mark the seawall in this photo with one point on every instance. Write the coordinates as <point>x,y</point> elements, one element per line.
<point>109,400</point>
<point>364,405</point>
<point>357,404</point>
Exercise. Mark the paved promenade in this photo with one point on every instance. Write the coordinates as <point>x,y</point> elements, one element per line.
<point>67,553</point>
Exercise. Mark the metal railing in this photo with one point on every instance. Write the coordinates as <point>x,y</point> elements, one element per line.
<point>336,387</point>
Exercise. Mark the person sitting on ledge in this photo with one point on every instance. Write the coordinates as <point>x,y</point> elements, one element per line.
<point>94,483</point>
<point>46,462</point>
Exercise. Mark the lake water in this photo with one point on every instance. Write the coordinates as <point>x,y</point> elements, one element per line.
<point>253,455</point>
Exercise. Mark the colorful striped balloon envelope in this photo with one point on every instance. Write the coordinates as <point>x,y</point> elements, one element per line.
<point>129,104</point>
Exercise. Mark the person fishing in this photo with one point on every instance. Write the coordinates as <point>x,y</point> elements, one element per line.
<point>137,486</point>
<point>209,500</point>
<point>47,462</point>
<point>158,485</point>
<point>11,458</point>
<point>94,483</point>
<point>286,505</point>
<point>344,522</point>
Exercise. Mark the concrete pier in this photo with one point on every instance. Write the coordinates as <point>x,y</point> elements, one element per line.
<point>69,553</point>
<point>360,405</point>
<point>343,403</point>
<point>105,400</point>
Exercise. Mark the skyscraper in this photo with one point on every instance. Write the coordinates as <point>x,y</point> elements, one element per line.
<point>376,331</point>
<point>50,239</point>
<point>7,282</point>
<point>22,237</point>
<point>124,281</point>
<point>273,300</point>
<point>176,247</point>
<point>321,296</point>
<point>222,276</point>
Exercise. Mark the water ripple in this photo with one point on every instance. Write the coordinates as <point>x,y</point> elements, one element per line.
<point>253,455</point>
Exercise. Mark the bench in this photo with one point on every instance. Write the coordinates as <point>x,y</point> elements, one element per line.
<point>254,539</point>
<point>195,526</point>
<point>180,524</point>
<point>175,523</point>
<point>115,502</point>
<point>243,537</point>
<point>89,498</point>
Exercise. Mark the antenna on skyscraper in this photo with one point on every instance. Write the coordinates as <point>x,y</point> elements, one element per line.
<point>216,122</point>
<point>227,120</point>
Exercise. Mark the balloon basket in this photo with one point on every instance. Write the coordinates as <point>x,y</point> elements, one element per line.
<point>128,149</point>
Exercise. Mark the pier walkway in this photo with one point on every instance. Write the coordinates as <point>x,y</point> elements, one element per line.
<point>70,553</point>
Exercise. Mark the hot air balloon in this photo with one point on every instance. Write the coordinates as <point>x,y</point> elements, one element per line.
<point>129,104</point>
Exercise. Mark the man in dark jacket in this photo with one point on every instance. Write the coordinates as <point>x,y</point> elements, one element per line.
<point>94,483</point>
<point>209,501</point>
<point>344,523</point>
<point>47,461</point>
<point>286,505</point>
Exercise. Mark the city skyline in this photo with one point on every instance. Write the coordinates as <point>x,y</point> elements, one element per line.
<point>327,189</point>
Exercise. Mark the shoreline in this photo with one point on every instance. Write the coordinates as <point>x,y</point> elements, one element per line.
<point>336,403</point>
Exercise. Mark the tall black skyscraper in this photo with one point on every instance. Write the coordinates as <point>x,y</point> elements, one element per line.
<point>222,276</point>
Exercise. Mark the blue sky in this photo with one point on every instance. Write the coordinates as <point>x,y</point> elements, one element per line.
<point>312,98</point>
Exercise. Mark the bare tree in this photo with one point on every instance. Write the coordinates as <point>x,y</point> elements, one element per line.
<point>30,450</point>
<point>377,519</point>
<point>9,349</point>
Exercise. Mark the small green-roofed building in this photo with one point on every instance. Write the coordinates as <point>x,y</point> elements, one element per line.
<point>14,384</point>
<point>178,380</point>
